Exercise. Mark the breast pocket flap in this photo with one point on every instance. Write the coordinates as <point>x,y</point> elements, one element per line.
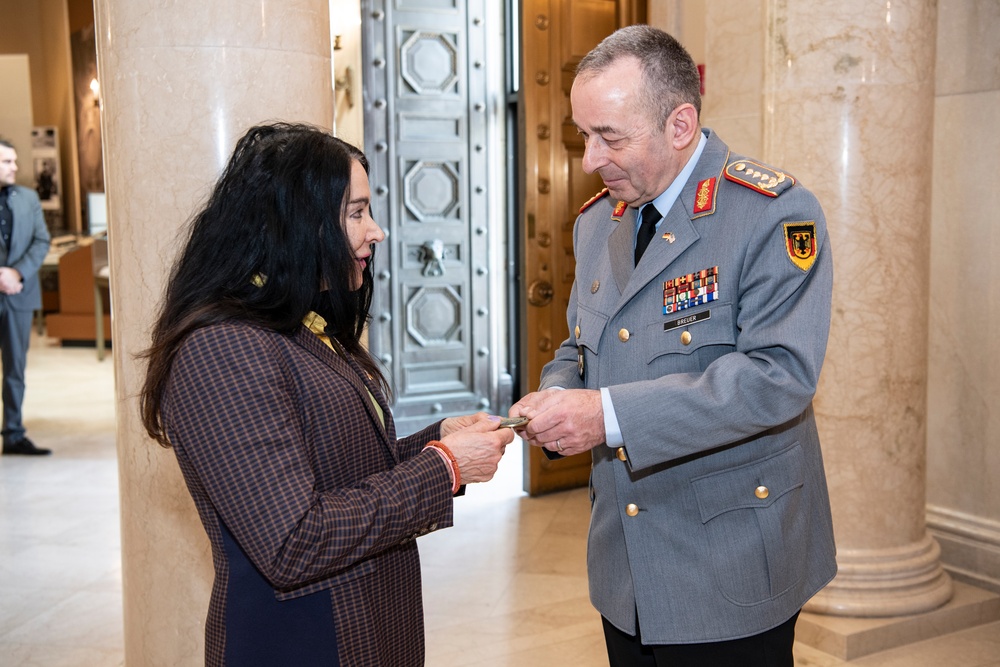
<point>691,330</point>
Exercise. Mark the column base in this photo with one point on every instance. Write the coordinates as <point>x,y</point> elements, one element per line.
<point>848,638</point>
<point>890,582</point>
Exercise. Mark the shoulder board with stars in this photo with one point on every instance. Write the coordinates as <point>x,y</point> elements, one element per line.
<point>759,177</point>
<point>593,200</point>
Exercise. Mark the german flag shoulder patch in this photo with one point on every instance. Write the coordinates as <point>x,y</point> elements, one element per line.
<point>593,200</point>
<point>800,243</point>
<point>759,177</point>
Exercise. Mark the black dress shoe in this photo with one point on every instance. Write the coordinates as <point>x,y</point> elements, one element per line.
<point>25,447</point>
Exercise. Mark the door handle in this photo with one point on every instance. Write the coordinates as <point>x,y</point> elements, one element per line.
<point>540,293</point>
<point>432,254</point>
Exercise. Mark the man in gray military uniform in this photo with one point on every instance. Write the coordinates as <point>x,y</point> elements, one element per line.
<point>24,242</point>
<point>695,345</point>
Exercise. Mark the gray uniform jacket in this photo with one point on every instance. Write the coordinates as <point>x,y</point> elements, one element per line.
<point>29,243</point>
<point>716,525</point>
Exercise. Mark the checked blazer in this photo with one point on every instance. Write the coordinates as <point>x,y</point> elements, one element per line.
<point>713,521</point>
<point>311,506</point>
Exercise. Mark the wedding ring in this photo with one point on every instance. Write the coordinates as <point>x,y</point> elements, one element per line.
<point>558,445</point>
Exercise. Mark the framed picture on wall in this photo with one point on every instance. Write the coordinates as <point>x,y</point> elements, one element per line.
<point>45,160</point>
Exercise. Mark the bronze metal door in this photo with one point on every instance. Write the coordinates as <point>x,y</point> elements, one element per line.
<point>432,95</point>
<point>555,35</point>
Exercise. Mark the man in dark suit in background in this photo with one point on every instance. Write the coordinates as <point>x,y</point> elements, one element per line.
<point>24,242</point>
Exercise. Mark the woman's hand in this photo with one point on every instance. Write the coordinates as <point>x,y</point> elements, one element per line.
<point>454,424</point>
<point>477,446</point>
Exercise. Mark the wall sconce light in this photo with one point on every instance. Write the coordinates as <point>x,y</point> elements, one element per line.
<point>346,84</point>
<point>95,88</point>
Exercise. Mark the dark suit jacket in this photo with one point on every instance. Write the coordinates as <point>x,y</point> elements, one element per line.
<point>29,243</point>
<point>304,496</point>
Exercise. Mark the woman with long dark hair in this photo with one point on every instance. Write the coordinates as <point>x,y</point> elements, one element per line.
<point>258,380</point>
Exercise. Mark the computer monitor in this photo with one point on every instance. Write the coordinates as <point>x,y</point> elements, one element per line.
<point>97,213</point>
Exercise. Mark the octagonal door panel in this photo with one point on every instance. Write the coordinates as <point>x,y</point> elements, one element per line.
<point>427,134</point>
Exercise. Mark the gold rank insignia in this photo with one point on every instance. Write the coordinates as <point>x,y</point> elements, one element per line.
<point>704,198</point>
<point>593,200</point>
<point>756,176</point>
<point>619,211</point>
<point>800,243</point>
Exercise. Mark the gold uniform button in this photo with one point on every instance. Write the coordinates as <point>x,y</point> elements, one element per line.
<point>594,286</point>
<point>623,335</point>
<point>632,509</point>
<point>621,454</point>
<point>576,331</point>
<point>761,492</point>
<point>686,338</point>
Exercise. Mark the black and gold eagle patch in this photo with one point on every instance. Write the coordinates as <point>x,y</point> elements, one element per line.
<point>800,243</point>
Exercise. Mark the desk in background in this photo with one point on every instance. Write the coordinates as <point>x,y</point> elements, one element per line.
<point>48,277</point>
<point>80,295</point>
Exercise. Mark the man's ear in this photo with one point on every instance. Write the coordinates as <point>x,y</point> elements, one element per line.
<point>682,126</point>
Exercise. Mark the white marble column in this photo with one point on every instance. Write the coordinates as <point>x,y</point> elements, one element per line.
<point>848,109</point>
<point>180,82</point>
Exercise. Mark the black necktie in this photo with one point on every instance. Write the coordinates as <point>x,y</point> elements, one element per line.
<point>647,230</point>
<point>6,216</point>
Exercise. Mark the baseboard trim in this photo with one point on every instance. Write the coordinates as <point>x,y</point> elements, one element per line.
<point>970,546</point>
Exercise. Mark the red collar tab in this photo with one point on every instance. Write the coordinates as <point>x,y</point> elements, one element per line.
<point>704,196</point>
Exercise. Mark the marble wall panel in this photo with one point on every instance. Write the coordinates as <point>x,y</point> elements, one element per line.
<point>968,51</point>
<point>963,421</point>
<point>734,73</point>
<point>963,434</point>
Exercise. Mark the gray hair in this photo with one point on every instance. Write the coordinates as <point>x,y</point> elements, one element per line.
<point>7,144</point>
<point>669,75</point>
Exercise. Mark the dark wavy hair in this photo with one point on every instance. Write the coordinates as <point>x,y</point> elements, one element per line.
<point>669,75</point>
<point>270,235</point>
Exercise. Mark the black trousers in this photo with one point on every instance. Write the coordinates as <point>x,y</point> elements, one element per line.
<point>772,648</point>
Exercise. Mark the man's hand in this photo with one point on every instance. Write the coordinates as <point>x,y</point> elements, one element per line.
<point>10,280</point>
<point>567,421</point>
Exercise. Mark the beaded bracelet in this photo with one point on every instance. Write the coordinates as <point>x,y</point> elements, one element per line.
<point>452,461</point>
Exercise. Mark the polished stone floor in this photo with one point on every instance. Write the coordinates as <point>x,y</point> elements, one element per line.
<point>506,587</point>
